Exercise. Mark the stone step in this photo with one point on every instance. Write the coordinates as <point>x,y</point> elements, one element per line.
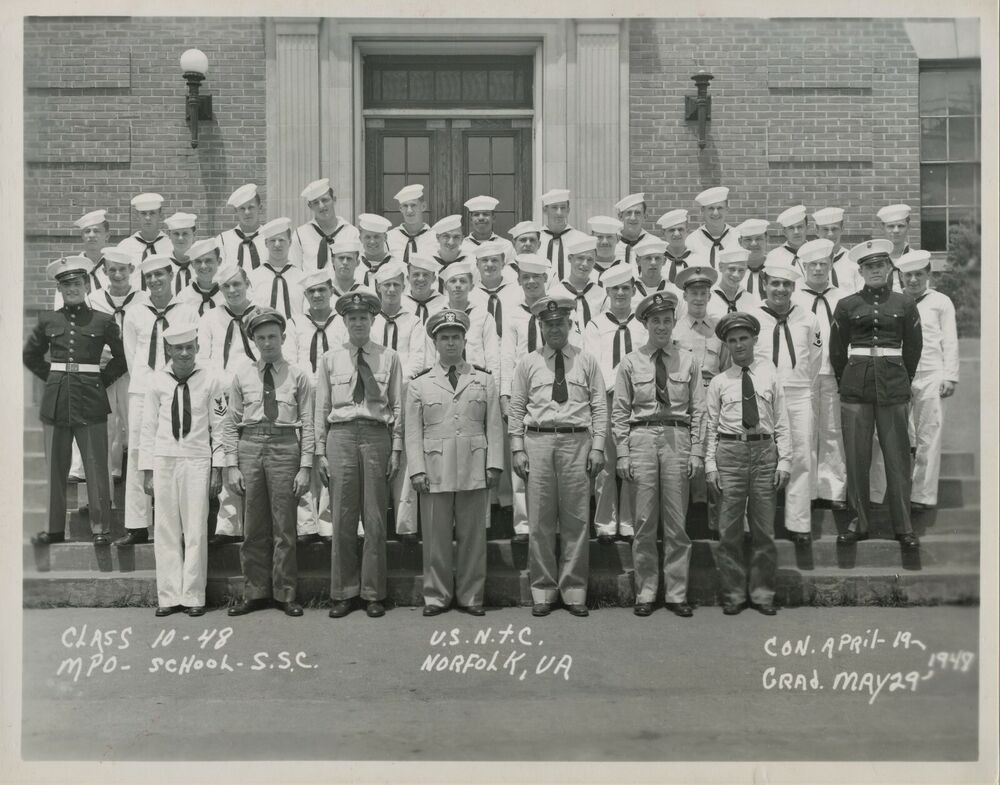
<point>957,492</point>
<point>877,586</point>
<point>34,441</point>
<point>958,464</point>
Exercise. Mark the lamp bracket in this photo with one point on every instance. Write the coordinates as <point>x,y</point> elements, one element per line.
<point>691,107</point>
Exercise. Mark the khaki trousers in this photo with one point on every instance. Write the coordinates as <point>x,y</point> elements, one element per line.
<point>445,576</point>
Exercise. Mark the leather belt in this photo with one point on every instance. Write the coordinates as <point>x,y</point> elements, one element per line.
<point>74,367</point>
<point>745,437</point>
<point>556,429</point>
<point>357,421</point>
<point>674,421</point>
<point>874,351</point>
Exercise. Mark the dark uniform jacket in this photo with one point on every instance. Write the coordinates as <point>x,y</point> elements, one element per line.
<point>880,318</point>
<point>74,334</point>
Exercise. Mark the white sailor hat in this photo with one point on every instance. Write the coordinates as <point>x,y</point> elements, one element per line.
<point>449,223</point>
<point>792,216</point>
<point>781,270</point>
<point>369,222</point>
<point>390,270</point>
<point>752,227</point>
<point>911,261</point>
<point>870,249</point>
<point>631,200</point>
<point>69,267</point>
<point>533,263</point>
<point>582,244</point>
<point>524,228</point>
<point>156,262</point>
<point>203,247</point>
<point>828,215</point>
<point>649,245</point>
<point>555,196</point>
<point>419,262</point>
<point>732,256</point>
<point>181,221</point>
<point>316,189</point>
<point>346,245</point>
<point>316,278</point>
<point>604,224</point>
<point>894,213</point>
<point>617,274</point>
<point>815,250</point>
<point>482,204</point>
<point>143,202</point>
<point>274,227</point>
<point>490,249</point>
<point>410,193</point>
<point>180,332</point>
<point>227,272</point>
<point>116,255</point>
<point>242,195</point>
<point>455,269</point>
<point>673,218</point>
<point>711,196</point>
<point>91,219</point>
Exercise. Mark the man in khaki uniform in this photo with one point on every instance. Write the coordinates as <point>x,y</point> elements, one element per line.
<point>454,448</point>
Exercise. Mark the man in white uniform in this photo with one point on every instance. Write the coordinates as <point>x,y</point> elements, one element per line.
<point>795,229</point>
<point>674,226</point>
<point>830,226</point>
<point>148,240</point>
<point>714,235</point>
<point>481,218</point>
<point>413,235</point>
<point>181,227</point>
<point>632,213</point>
<point>373,230</point>
<point>242,244</point>
<point>557,230</point>
<point>728,295</point>
<point>203,293</point>
<point>277,283</point>
<point>311,242</point>
<point>753,238</point>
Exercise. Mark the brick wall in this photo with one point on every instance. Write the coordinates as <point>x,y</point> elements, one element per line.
<point>104,120</point>
<point>822,112</point>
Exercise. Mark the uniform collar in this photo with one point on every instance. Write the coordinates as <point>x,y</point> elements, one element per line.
<point>277,364</point>
<point>548,352</point>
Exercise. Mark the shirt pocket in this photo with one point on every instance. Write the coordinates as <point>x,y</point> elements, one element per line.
<point>288,405</point>
<point>644,388</point>
<point>579,391</point>
<point>54,330</point>
<point>732,403</point>
<point>433,412</point>
<point>433,459</point>
<point>678,387</point>
<point>341,387</point>
<point>475,402</point>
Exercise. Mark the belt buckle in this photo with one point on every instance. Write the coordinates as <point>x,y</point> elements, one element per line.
<point>73,367</point>
<point>873,351</point>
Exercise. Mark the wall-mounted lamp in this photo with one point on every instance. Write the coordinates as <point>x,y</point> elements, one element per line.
<point>699,107</point>
<point>194,66</point>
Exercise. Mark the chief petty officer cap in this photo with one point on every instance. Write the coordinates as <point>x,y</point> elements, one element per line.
<point>360,300</point>
<point>736,319</point>
<point>263,315</point>
<point>694,275</point>
<point>550,308</point>
<point>182,332</point>
<point>871,249</point>
<point>655,302</point>
<point>449,317</point>
<point>69,267</point>
<point>912,261</point>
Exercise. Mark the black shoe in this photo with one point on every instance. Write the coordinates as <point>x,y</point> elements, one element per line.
<point>326,539</point>
<point>291,608</point>
<point>733,608</point>
<point>643,609</point>
<point>434,610</point>
<point>249,606</point>
<point>308,539</point>
<point>519,539</point>
<point>578,610</point>
<point>908,541</point>
<point>223,539</point>
<point>919,507</point>
<point>681,609</point>
<point>195,610</point>
<point>541,609</point>
<point>606,539</point>
<point>132,537</point>
<point>474,610</point>
<point>626,538</point>
<point>341,608</point>
<point>167,610</point>
<point>102,540</point>
<point>849,537</point>
<point>47,538</point>
<point>838,506</point>
<point>409,539</point>
<point>375,609</point>
<point>766,608</point>
<point>74,479</point>
<point>801,539</point>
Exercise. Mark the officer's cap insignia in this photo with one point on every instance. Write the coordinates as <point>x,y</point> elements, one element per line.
<point>868,244</point>
<point>449,317</point>
<point>356,299</point>
<point>552,305</point>
<point>657,299</point>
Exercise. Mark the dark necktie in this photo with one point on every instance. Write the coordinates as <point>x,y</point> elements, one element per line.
<point>751,415</point>
<point>279,276</point>
<point>182,274</point>
<point>149,248</point>
<point>247,241</point>
<point>629,245</point>
<point>325,241</point>
<point>820,297</point>
<point>581,299</point>
<point>365,387</point>
<point>391,328</point>
<point>622,335</point>
<point>793,252</point>
<point>207,301</point>
<point>159,323</point>
<point>319,336</point>
<point>180,407</point>
<point>755,275</point>
<point>95,282</point>
<point>730,304</point>
<point>662,394</point>
<point>411,243</point>
<point>495,307</point>
<point>421,306</point>
<point>781,323</point>
<point>716,244</point>
<point>642,287</point>
<point>833,271</point>
<point>559,392</point>
<point>550,251</point>
<point>270,400</point>
<point>118,311</point>
<point>453,377</point>
<point>532,329</point>
<point>677,263</point>
<point>236,322</point>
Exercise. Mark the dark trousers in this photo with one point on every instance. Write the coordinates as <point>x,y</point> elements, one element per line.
<point>858,423</point>
<point>269,460</point>
<point>93,442</point>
